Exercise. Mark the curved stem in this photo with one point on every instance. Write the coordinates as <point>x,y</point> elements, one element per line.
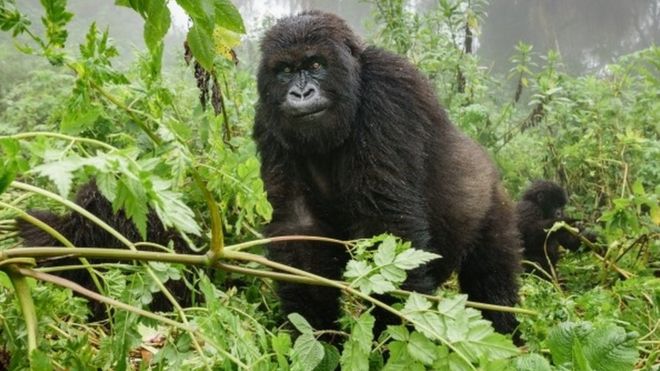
<point>60,136</point>
<point>116,303</point>
<point>217,235</point>
<point>269,263</point>
<point>201,260</point>
<point>264,241</point>
<point>27,305</point>
<point>58,236</point>
<point>121,238</point>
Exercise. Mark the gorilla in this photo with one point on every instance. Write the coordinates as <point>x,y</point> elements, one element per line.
<point>83,232</point>
<point>354,143</point>
<point>542,205</point>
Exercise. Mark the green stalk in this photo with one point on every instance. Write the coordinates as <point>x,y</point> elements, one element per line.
<point>60,136</point>
<point>265,241</point>
<point>22,288</point>
<point>77,208</point>
<point>58,236</point>
<point>116,303</point>
<point>328,282</point>
<point>217,235</point>
<point>202,260</point>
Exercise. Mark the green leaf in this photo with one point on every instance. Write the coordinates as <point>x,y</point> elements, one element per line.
<point>416,303</point>
<point>452,306</point>
<point>6,177</point>
<point>398,332</point>
<point>132,199</point>
<point>307,352</point>
<point>281,345</point>
<point>356,268</point>
<point>172,211</point>
<point>330,360</point>
<point>580,362</point>
<point>421,348</point>
<point>80,118</point>
<point>200,11</point>
<point>227,16</point>
<point>610,348</point>
<point>200,40</point>
<point>61,172</point>
<point>393,274</point>
<point>560,340</point>
<point>531,362</point>
<point>362,331</point>
<point>386,252</point>
<point>427,322</point>
<point>356,350</point>
<point>55,21</point>
<point>10,159</point>
<point>157,22</point>
<point>40,361</point>
<point>137,5</point>
<point>300,323</point>
<point>400,359</point>
<point>12,19</point>
<point>413,258</point>
<point>379,284</point>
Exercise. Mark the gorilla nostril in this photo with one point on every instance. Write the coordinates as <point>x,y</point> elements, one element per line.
<point>295,93</point>
<point>309,92</point>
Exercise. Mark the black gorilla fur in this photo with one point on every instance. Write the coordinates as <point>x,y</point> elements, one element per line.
<point>542,205</point>
<point>82,232</point>
<point>373,152</point>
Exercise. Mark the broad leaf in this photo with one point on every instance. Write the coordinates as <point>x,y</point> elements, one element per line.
<point>356,350</point>
<point>200,41</point>
<point>157,22</point>
<point>531,362</point>
<point>227,16</point>
<point>307,352</point>
<point>421,348</point>
<point>300,323</point>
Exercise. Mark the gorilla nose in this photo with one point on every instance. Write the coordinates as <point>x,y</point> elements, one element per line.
<point>304,101</point>
<point>306,93</point>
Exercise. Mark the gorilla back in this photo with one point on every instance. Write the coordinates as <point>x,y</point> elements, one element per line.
<point>353,143</point>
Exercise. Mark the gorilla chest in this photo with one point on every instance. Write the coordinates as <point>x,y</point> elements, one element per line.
<point>319,177</point>
<point>329,184</point>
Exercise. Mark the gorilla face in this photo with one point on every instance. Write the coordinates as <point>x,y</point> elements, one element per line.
<point>309,85</point>
<point>550,197</point>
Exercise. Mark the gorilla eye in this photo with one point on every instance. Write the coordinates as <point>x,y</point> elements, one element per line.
<point>287,69</point>
<point>316,65</point>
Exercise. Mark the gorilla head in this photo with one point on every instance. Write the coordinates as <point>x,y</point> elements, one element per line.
<point>550,198</point>
<point>309,79</point>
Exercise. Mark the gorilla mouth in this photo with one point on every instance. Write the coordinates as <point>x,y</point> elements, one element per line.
<point>311,114</point>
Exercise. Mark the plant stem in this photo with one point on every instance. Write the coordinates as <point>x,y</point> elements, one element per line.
<point>58,236</point>
<point>27,305</point>
<point>217,235</point>
<point>328,282</point>
<point>264,241</point>
<point>60,136</point>
<point>116,303</point>
<point>121,238</point>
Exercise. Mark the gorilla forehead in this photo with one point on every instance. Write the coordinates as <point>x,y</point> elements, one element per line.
<point>552,192</point>
<point>293,36</point>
